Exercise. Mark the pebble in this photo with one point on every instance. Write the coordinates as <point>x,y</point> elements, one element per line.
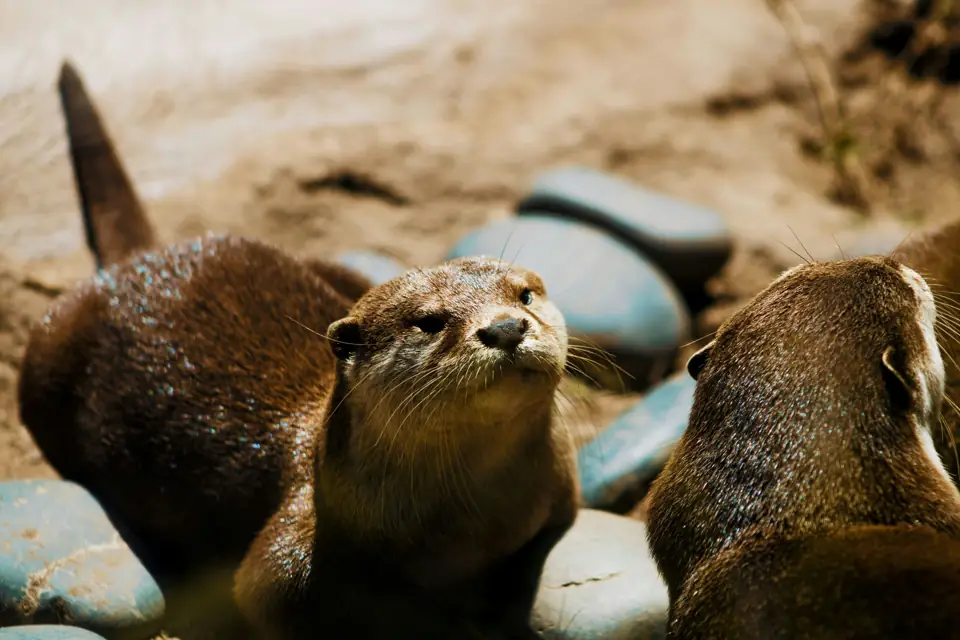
<point>601,583</point>
<point>47,632</point>
<point>62,560</point>
<point>607,292</point>
<point>690,243</point>
<point>377,267</point>
<point>617,466</point>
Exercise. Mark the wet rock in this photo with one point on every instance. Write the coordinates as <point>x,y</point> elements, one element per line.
<point>600,583</point>
<point>376,266</point>
<point>47,632</point>
<point>609,293</point>
<point>617,466</point>
<point>61,560</point>
<point>690,243</point>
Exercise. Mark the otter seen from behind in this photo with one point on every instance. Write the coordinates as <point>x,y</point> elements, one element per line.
<point>806,499</point>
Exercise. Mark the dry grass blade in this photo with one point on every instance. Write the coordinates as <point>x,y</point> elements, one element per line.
<point>852,181</point>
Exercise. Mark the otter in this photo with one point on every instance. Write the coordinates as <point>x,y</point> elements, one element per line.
<point>806,499</point>
<point>377,462</point>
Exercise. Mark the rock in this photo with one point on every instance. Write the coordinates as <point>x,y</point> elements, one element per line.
<point>617,466</point>
<point>609,294</point>
<point>47,632</point>
<point>376,266</point>
<point>61,560</point>
<point>690,243</point>
<point>600,583</point>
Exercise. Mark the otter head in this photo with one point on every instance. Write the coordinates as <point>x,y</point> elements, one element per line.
<point>855,333</point>
<point>471,340</point>
<point>814,408</point>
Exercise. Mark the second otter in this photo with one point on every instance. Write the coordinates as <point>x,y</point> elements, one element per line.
<point>806,499</point>
<point>407,471</point>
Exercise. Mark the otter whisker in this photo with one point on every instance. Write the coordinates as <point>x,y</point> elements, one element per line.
<point>703,337</point>
<point>791,250</point>
<point>324,336</point>
<point>839,248</point>
<point>900,244</point>
<point>505,243</point>
<point>812,259</point>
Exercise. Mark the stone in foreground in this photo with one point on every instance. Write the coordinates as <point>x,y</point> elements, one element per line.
<point>617,466</point>
<point>47,632</point>
<point>377,267</point>
<point>600,583</point>
<point>608,293</point>
<point>61,560</point>
<point>690,243</point>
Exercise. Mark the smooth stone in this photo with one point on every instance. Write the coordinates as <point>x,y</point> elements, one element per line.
<point>689,242</point>
<point>608,293</point>
<point>61,560</point>
<point>601,583</point>
<point>617,467</point>
<point>47,632</point>
<point>376,266</point>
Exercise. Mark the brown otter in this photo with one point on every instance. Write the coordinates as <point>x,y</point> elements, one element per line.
<point>806,499</point>
<point>403,477</point>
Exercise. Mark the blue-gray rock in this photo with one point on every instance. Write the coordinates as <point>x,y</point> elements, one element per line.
<point>61,560</point>
<point>47,632</point>
<point>600,583</point>
<point>376,266</point>
<point>608,293</point>
<point>618,465</point>
<point>690,243</point>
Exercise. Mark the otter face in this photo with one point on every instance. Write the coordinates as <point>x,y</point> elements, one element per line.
<point>835,337</point>
<point>474,333</point>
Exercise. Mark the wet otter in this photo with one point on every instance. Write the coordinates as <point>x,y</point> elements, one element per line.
<point>408,463</point>
<point>806,499</point>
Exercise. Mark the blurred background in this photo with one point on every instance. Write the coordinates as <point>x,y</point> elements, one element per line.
<point>244,116</point>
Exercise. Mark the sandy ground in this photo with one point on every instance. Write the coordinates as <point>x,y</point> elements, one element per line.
<point>231,115</point>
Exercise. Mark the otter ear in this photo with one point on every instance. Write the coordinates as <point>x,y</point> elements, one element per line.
<point>898,388</point>
<point>344,337</point>
<point>698,361</point>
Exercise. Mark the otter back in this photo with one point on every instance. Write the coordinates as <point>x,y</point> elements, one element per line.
<point>176,386</point>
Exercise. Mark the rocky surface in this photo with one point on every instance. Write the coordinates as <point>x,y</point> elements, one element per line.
<point>600,583</point>
<point>62,560</point>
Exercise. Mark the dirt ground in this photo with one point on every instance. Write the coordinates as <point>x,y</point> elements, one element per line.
<point>240,119</point>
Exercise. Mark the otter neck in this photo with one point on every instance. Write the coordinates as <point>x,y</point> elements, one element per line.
<point>407,484</point>
<point>792,474</point>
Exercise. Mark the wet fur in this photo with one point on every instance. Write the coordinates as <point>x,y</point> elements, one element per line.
<point>804,453</point>
<point>191,389</point>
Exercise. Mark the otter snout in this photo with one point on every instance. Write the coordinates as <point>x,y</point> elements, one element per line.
<point>504,333</point>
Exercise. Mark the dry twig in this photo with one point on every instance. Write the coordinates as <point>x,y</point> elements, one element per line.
<point>852,182</point>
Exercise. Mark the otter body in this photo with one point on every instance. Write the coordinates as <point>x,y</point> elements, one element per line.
<point>371,462</point>
<point>178,390</point>
<point>808,459</point>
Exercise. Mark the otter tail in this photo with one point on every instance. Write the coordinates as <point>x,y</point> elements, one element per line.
<point>114,219</point>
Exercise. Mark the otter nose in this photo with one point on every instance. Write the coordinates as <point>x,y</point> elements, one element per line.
<point>503,334</point>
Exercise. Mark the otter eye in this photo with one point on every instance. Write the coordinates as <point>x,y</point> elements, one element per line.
<point>526,297</point>
<point>430,324</point>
